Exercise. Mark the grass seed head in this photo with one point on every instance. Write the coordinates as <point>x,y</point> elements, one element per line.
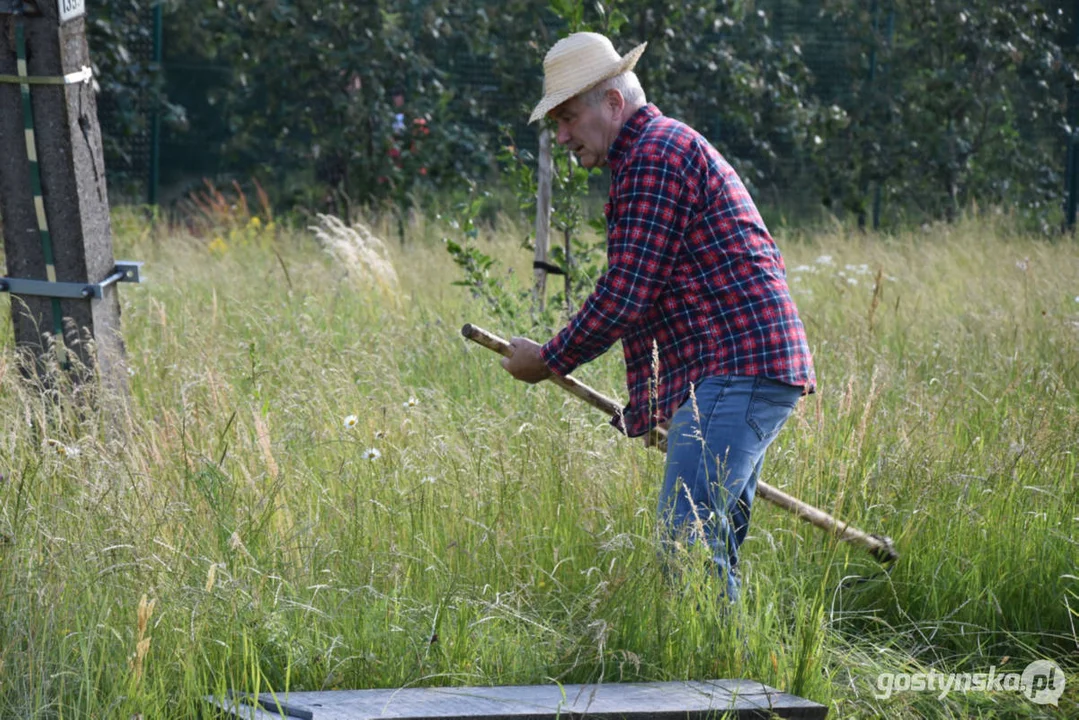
<point>358,250</point>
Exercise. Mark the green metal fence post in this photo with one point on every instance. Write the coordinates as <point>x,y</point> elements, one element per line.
<point>155,124</point>
<point>1073,171</point>
<point>1072,167</point>
<point>880,185</point>
<point>874,11</point>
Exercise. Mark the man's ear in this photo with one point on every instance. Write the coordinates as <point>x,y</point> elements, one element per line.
<point>615,101</point>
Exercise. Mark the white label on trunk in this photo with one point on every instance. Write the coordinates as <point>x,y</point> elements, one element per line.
<point>71,9</point>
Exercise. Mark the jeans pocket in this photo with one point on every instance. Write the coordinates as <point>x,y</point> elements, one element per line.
<point>770,406</point>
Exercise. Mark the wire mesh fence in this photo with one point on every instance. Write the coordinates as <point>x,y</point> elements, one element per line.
<point>148,166</point>
<point>127,120</point>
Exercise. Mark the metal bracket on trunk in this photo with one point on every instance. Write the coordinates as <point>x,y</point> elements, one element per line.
<point>125,271</point>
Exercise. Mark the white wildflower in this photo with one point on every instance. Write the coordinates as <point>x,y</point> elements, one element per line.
<point>852,281</point>
<point>825,260</point>
<point>410,403</point>
<point>380,434</point>
<point>350,421</point>
<point>372,454</point>
<point>428,480</point>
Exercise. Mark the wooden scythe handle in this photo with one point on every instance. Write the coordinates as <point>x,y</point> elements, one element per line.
<point>878,546</point>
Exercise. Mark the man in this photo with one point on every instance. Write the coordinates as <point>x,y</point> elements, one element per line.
<point>694,280</point>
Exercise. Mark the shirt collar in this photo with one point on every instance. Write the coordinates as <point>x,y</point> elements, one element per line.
<point>627,136</point>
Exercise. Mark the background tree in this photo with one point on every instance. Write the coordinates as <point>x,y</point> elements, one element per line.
<point>132,88</point>
<point>968,106</point>
<point>966,101</point>
<point>304,97</point>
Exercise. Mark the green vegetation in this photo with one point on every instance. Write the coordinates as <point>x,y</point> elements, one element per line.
<point>317,483</point>
<point>926,105</point>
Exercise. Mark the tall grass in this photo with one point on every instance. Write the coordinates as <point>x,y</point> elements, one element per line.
<point>221,527</point>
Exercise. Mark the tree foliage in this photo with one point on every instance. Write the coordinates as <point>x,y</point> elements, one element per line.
<point>940,103</point>
<point>967,105</point>
<point>120,34</point>
<point>310,93</point>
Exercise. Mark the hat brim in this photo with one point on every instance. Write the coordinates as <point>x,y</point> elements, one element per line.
<point>588,81</point>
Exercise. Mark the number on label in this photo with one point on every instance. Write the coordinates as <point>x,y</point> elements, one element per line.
<point>70,9</point>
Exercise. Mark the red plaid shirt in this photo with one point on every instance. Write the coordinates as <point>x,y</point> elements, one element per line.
<point>691,269</point>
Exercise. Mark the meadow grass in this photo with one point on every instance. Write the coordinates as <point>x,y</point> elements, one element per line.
<point>223,526</point>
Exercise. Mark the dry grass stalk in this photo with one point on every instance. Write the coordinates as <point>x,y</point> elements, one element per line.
<point>262,431</point>
<point>358,250</point>
<point>142,645</point>
<point>211,577</point>
<point>878,292</point>
<point>210,208</point>
<point>282,517</point>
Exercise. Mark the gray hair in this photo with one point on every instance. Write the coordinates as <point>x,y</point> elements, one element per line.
<point>627,84</point>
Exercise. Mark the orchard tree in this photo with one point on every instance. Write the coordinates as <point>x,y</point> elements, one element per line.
<point>310,101</point>
<point>968,104</point>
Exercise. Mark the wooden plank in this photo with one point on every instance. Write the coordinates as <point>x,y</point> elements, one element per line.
<point>543,216</point>
<point>695,700</point>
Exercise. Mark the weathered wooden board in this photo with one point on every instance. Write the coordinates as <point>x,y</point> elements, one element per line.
<point>612,701</point>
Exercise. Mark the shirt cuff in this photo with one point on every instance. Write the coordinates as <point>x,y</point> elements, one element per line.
<point>561,364</point>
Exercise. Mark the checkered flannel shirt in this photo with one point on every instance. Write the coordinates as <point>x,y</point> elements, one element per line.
<point>692,271</point>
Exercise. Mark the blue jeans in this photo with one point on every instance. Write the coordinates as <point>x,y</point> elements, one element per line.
<point>715,449</point>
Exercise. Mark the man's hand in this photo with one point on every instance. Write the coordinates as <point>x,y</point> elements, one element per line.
<point>526,363</point>
<point>653,438</point>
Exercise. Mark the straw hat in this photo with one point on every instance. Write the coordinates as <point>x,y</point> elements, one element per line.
<point>578,63</point>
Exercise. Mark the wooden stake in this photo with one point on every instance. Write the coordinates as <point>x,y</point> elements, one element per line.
<point>543,216</point>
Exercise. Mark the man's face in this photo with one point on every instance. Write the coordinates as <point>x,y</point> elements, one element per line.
<point>587,130</point>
